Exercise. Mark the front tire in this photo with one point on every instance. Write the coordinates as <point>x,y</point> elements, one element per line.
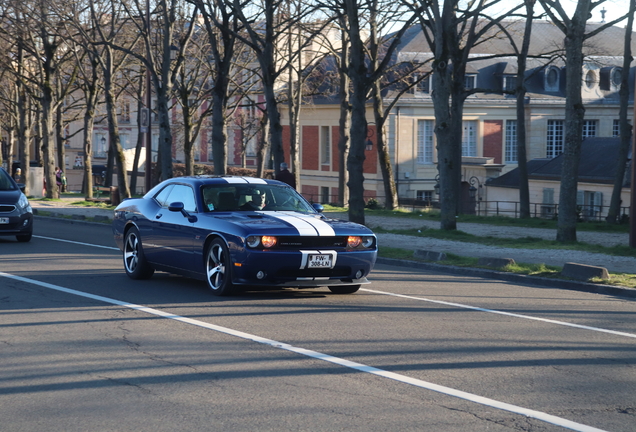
<point>347,289</point>
<point>218,268</point>
<point>135,263</point>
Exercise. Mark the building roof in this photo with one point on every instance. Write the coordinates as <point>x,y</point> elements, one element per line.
<point>597,165</point>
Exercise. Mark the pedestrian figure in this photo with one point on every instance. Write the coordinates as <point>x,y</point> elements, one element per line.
<point>285,176</point>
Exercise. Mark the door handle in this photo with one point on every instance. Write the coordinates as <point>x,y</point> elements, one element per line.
<point>158,216</point>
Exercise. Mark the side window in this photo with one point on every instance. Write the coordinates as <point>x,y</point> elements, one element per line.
<point>184,194</point>
<point>162,197</point>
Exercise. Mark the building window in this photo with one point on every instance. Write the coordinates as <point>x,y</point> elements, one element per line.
<point>511,141</point>
<point>124,115</point>
<point>124,140</point>
<point>324,195</point>
<point>589,128</point>
<point>554,143</point>
<point>547,207</point>
<point>551,79</point>
<point>421,87</point>
<point>590,79</point>
<point>469,138</point>
<point>469,82</point>
<point>509,83</point>
<point>425,141</point>
<point>426,196</point>
<point>325,145</point>
<point>616,128</point>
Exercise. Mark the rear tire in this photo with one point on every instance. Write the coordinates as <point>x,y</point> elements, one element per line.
<point>218,271</point>
<point>347,289</point>
<point>135,263</point>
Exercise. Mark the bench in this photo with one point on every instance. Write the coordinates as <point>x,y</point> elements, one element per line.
<point>112,197</point>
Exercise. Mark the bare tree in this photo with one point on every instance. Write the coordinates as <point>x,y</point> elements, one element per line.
<point>613,214</point>
<point>267,27</point>
<point>576,33</point>
<point>451,31</point>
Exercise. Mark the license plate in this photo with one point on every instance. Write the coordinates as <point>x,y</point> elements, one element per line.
<point>4,220</point>
<point>319,261</point>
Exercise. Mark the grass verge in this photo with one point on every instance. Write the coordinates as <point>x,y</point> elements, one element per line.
<point>541,270</point>
<point>518,243</point>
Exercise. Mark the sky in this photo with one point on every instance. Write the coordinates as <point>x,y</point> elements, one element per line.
<point>614,9</point>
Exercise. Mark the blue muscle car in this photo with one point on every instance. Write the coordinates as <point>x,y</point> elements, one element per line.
<point>241,231</point>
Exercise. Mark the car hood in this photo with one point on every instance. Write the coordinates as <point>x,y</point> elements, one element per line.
<point>9,197</point>
<point>294,223</point>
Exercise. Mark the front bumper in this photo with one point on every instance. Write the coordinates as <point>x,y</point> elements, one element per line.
<point>289,269</point>
<point>16,224</point>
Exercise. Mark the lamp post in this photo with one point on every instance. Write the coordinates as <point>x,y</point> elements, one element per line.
<point>437,186</point>
<point>370,133</point>
<point>475,191</point>
<point>148,173</point>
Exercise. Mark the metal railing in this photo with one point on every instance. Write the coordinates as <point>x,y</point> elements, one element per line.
<point>590,213</point>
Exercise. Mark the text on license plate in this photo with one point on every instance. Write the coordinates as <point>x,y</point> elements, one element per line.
<point>319,261</point>
<point>4,220</point>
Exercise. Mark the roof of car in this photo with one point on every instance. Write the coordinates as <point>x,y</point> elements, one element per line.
<point>227,179</point>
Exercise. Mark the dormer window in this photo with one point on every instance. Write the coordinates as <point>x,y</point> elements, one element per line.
<point>509,83</point>
<point>611,78</point>
<point>551,79</point>
<point>469,82</point>
<point>590,79</point>
<point>421,87</point>
<point>616,77</point>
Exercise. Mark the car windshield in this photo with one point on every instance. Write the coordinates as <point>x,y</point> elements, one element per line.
<point>5,181</point>
<point>253,197</point>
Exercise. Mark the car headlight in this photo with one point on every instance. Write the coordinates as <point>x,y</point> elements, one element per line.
<point>23,202</point>
<point>353,241</point>
<point>266,241</point>
<point>253,241</point>
<point>368,241</point>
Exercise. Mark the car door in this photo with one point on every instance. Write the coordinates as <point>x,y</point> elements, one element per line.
<point>172,234</point>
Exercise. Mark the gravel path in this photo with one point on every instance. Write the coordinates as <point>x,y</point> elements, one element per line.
<point>557,257</point>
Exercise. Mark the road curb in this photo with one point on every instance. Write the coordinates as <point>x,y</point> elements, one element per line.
<point>517,278</point>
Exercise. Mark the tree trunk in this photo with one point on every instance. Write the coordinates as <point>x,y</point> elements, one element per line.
<point>390,190</point>
<point>522,157</point>
<point>574,114</point>
<point>613,215</point>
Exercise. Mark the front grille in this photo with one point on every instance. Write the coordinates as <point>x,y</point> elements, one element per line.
<point>296,242</point>
<point>291,272</point>
<point>6,208</point>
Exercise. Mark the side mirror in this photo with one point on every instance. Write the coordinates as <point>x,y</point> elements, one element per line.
<point>318,207</point>
<point>176,207</point>
<point>179,207</point>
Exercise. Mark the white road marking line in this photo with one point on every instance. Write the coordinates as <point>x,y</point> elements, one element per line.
<point>76,242</point>
<point>538,415</point>
<point>459,305</point>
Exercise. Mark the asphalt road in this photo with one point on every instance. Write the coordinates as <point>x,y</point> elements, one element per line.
<point>82,347</point>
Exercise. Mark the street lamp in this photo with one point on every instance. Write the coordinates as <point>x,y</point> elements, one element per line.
<point>472,190</point>
<point>369,143</point>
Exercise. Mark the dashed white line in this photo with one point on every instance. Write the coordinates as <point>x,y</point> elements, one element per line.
<point>538,415</point>
<point>516,315</point>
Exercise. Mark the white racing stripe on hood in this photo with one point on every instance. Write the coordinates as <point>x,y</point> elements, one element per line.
<point>306,225</point>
